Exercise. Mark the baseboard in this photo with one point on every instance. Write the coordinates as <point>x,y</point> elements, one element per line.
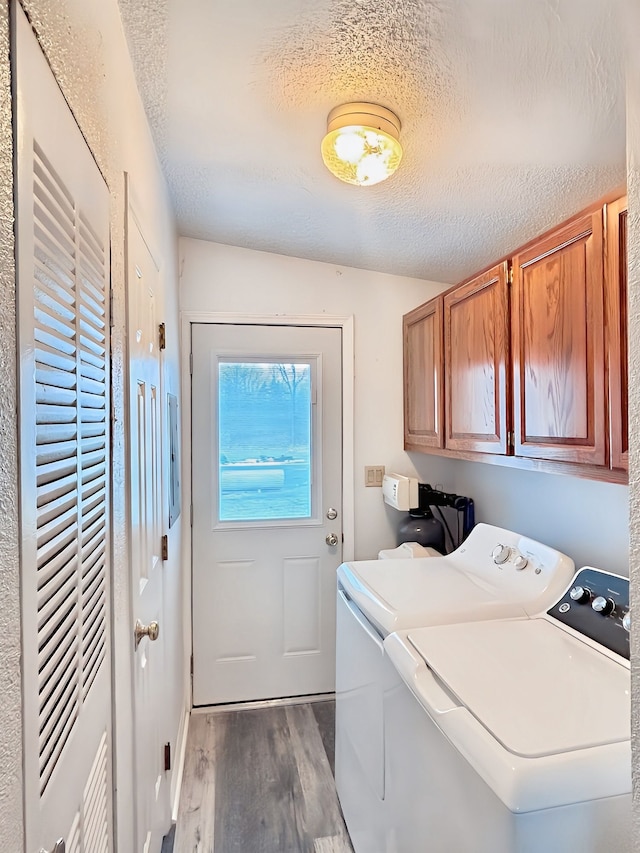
<point>181,751</point>
<point>264,703</point>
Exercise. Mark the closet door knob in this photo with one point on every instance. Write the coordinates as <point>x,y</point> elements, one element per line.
<point>152,631</point>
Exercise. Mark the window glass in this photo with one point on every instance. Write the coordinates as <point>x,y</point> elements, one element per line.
<point>264,429</point>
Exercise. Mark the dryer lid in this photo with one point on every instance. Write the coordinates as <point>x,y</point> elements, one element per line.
<point>536,688</point>
<point>397,594</point>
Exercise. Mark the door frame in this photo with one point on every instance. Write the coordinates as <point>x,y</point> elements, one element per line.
<point>346,324</point>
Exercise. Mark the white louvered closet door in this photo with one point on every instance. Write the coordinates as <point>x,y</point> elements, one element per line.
<point>63,285</point>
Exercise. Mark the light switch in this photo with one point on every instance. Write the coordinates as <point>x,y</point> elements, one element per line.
<point>373,475</point>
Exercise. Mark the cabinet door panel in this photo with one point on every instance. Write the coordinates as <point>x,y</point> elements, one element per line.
<point>616,269</point>
<point>423,358</point>
<point>558,341</point>
<point>476,318</point>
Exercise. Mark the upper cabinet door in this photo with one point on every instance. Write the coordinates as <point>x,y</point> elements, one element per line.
<point>423,381</point>
<point>616,279</point>
<point>558,345</point>
<point>476,336</point>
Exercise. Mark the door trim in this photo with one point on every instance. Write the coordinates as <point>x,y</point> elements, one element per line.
<point>346,324</point>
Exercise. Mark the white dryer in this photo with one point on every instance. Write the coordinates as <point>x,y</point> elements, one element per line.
<point>513,736</point>
<point>495,573</point>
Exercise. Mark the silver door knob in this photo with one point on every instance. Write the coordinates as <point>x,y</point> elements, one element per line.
<point>332,513</point>
<point>152,631</point>
<point>331,539</point>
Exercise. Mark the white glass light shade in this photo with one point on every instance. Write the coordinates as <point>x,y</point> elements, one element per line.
<point>361,146</point>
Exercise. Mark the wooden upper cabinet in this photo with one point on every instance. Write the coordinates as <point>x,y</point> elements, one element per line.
<point>423,382</point>
<point>558,345</point>
<point>476,336</point>
<point>616,300</point>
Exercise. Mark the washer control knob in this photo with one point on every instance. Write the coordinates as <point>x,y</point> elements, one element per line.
<point>520,563</point>
<point>580,594</point>
<point>603,605</point>
<point>500,554</point>
<point>626,621</point>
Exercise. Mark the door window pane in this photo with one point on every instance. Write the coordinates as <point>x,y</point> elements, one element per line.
<point>264,445</point>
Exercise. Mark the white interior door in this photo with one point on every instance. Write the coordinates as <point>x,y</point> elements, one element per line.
<point>146,412</point>
<point>63,281</point>
<point>266,486</point>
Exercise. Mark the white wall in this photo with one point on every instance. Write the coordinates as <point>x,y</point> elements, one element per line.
<point>585,519</point>
<point>86,48</point>
<point>227,279</point>
<point>10,674</point>
<point>633,182</point>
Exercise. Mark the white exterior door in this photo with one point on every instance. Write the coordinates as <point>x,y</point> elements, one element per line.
<point>152,811</point>
<point>63,287</point>
<point>267,506</point>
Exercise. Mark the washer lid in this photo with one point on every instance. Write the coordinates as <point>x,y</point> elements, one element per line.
<point>399,594</point>
<point>537,689</point>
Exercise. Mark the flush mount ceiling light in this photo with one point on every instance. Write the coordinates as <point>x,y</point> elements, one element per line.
<point>361,146</point>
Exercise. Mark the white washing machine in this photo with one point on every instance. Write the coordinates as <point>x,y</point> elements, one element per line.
<point>513,736</point>
<point>408,551</point>
<point>495,573</point>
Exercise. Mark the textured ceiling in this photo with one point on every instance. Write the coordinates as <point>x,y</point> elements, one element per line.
<point>512,119</point>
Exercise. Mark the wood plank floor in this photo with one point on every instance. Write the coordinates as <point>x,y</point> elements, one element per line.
<point>261,781</point>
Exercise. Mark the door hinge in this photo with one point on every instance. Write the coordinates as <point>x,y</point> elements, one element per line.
<point>165,547</point>
<point>191,363</point>
<point>167,756</point>
<point>191,514</point>
<point>191,666</point>
<point>510,440</point>
<point>111,320</point>
<point>162,336</point>
<point>510,275</point>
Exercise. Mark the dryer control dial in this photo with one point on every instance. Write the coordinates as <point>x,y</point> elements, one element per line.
<point>603,605</point>
<point>500,554</point>
<point>580,594</point>
<point>520,563</point>
<point>626,621</point>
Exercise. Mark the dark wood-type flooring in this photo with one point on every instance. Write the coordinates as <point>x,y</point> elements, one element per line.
<point>261,781</point>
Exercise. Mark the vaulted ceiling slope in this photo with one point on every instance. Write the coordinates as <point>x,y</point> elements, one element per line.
<point>513,118</point>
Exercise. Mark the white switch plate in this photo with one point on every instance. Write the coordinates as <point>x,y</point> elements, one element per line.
<point>373,475</point>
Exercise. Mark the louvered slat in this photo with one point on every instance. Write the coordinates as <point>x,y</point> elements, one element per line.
<point>52,749</point>
<point>57,526</point>
<point>56,384</point>
<point>53,553</point>
<point>55,451</point>
<point>56,658</point>
<point>52,491</point>
<point>58,503</point>
<point>94,805</point>
<point>92,328</point>
<point>50,607</point>
<point>73,836</point>
<point>60,697</point>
